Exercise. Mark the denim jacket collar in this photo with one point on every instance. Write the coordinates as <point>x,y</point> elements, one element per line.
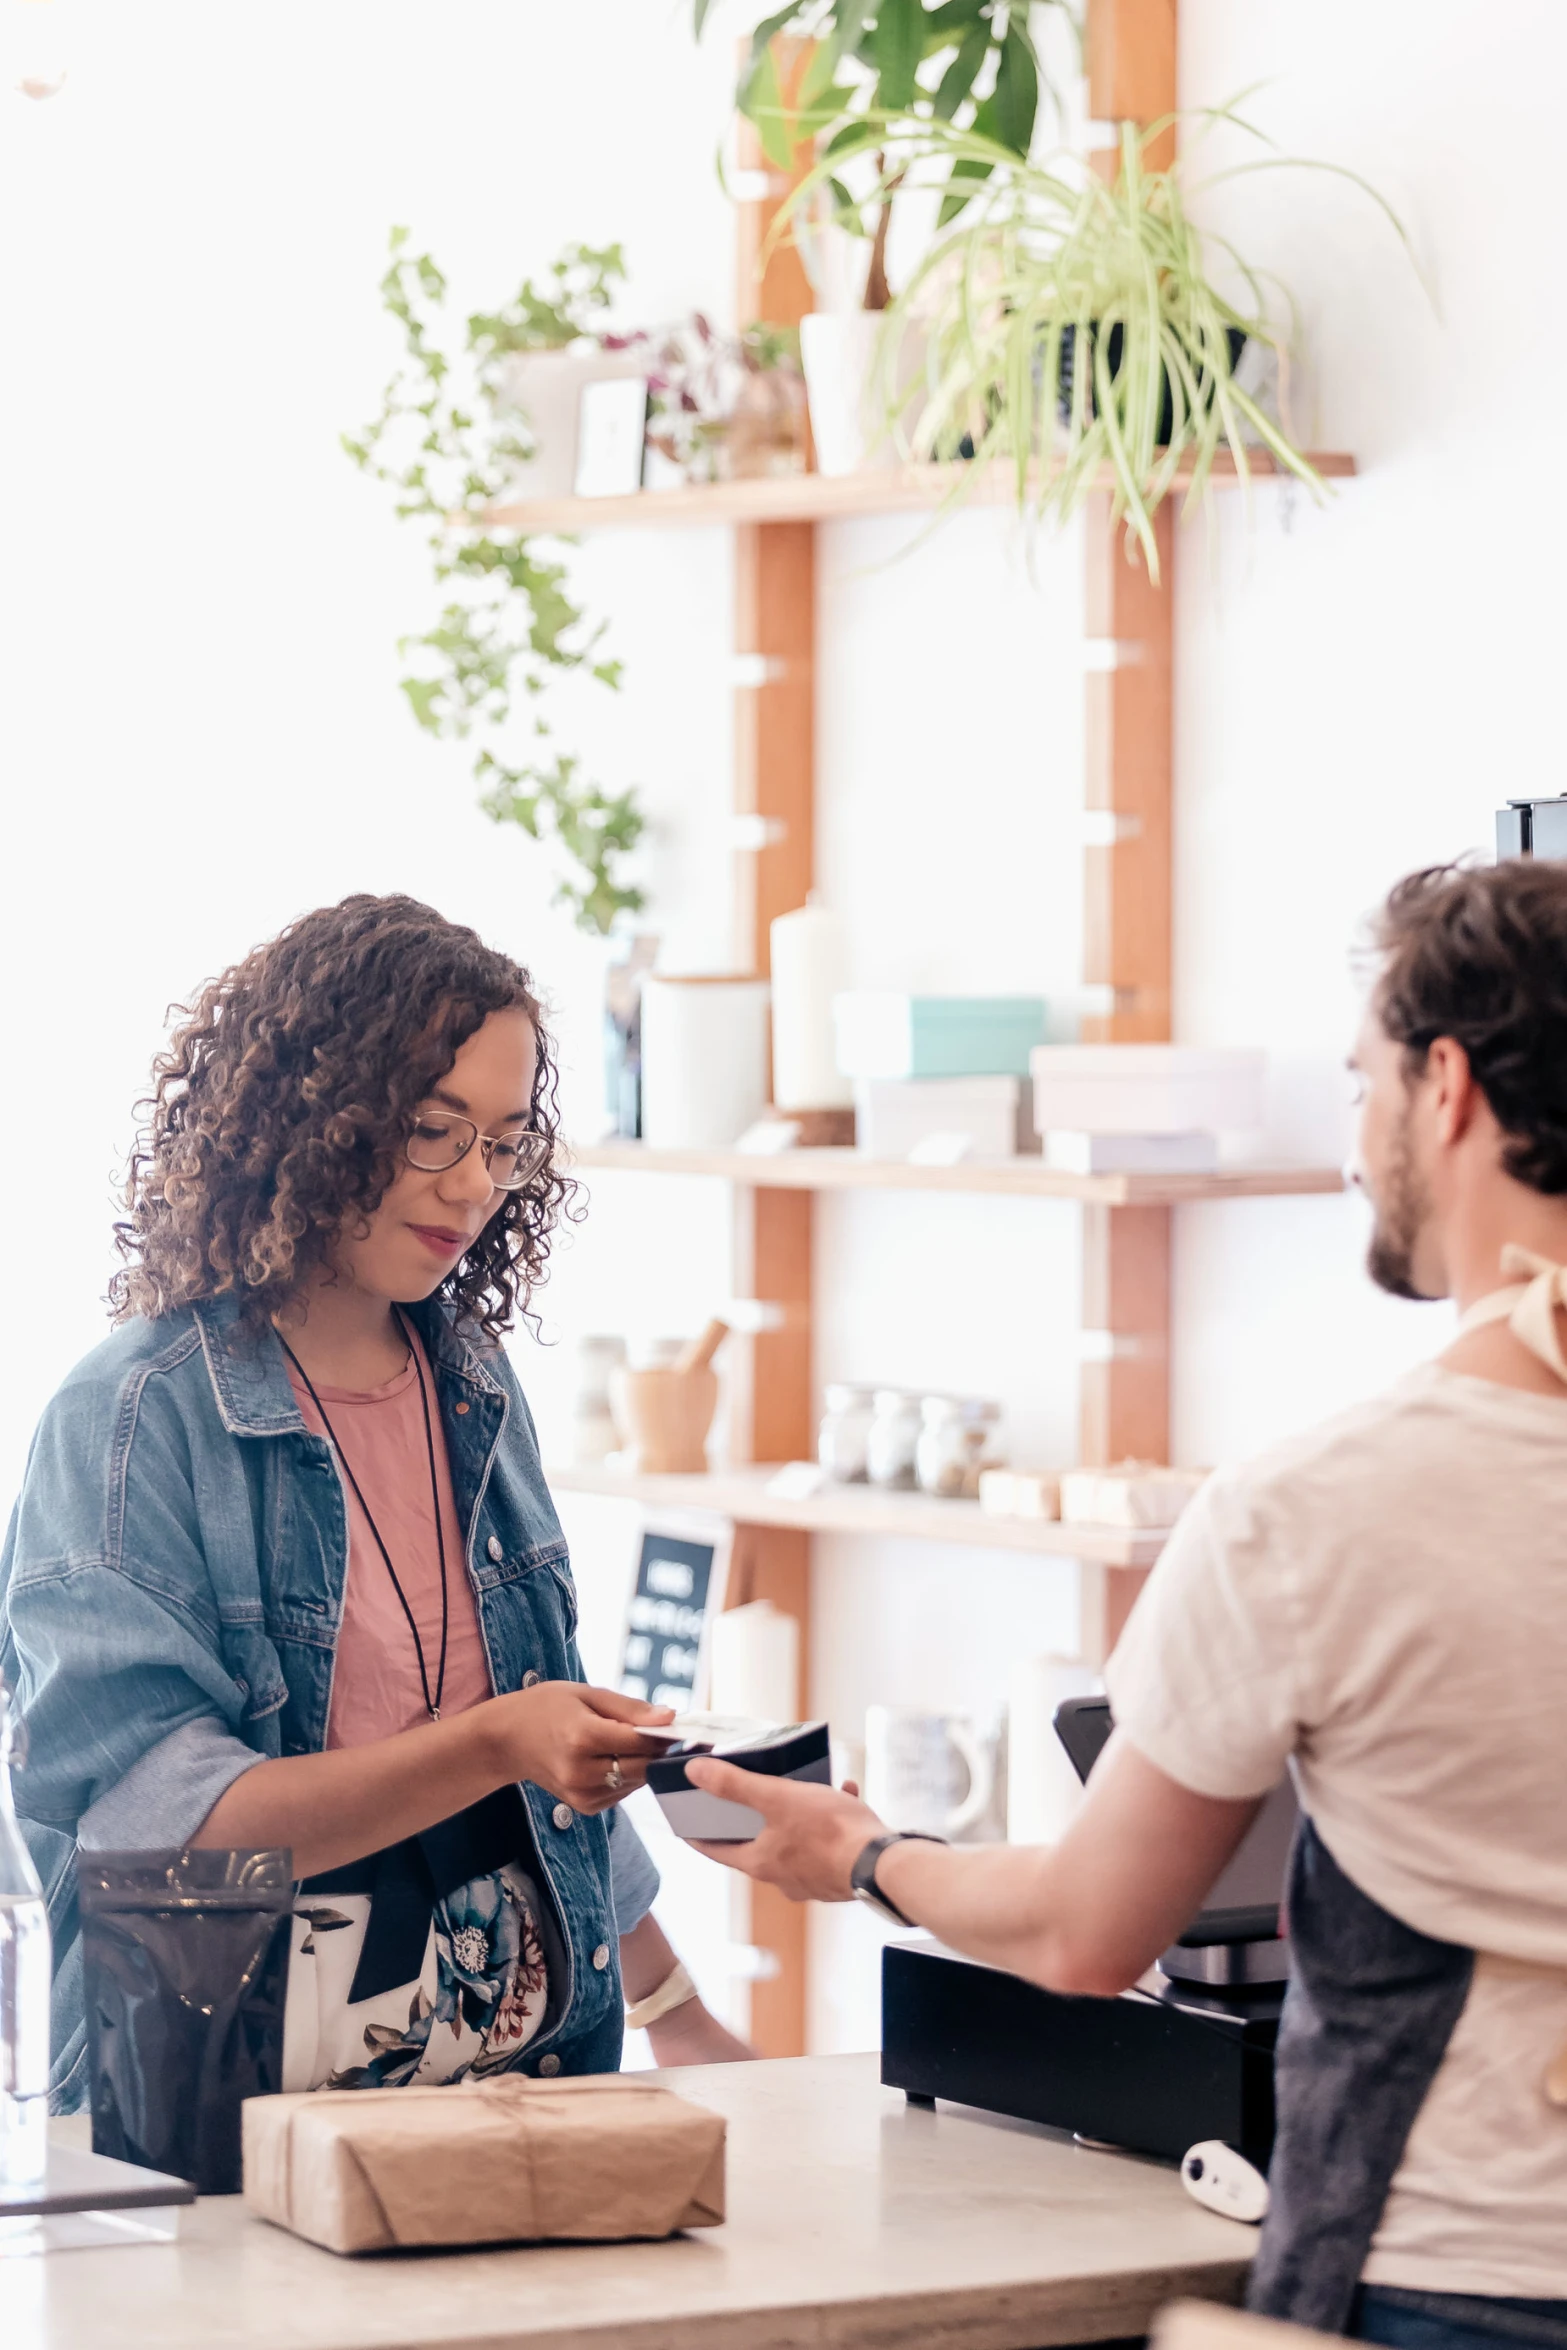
<point>251,1384</point>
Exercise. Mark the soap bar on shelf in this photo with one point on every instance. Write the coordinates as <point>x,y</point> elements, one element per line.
<point>1132,1493</point>
<point>1020,1493</point>
<point>895,1117</point>
<point>883,1033</point>
<point>1071,1151</point>
<point>1145,1089</point>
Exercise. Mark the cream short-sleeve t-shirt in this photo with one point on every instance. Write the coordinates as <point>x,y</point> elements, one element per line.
<point>1381,1605</point>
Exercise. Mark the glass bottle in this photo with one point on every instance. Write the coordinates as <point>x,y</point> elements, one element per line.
<point>957,1440</point>
<point>765,433</point>
<point>24,1988</point>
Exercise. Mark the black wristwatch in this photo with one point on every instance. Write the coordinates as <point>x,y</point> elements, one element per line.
<point>862,1877</point>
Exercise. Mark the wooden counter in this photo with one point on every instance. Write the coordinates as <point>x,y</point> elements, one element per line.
<point>854,2220</point>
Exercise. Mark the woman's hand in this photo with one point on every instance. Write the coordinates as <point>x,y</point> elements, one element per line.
<point>577,1742</point>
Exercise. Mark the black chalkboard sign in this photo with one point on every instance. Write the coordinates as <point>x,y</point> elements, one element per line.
<point>679,1588</point>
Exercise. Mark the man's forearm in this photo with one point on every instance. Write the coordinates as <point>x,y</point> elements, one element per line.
<point>1089,1914</point>
<point>333,1808</point>
<point>1092,1913</point>
<point>993,1901</point>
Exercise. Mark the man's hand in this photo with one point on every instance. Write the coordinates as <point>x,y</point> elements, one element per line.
<point>812,1838</point>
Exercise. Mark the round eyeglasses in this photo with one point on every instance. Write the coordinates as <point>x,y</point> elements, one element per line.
<point>440,1138</point>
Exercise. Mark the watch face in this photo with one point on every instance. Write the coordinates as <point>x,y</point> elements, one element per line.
<point>883,1909</point>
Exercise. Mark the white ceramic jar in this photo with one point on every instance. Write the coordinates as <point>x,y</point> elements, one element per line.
<point>841,1440</point>
<point>594,1435</point>
<point>892,1437</point>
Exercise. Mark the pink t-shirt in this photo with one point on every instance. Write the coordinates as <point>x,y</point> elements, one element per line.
<point>376,1690</point>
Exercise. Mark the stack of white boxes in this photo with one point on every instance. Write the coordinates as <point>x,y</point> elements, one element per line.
<point>1141,1109</point>
<point>939,1079</point>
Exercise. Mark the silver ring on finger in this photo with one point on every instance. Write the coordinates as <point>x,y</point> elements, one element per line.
<point>614,1777</point>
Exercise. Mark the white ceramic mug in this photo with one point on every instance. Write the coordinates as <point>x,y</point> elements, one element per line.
<point>931,1771</point>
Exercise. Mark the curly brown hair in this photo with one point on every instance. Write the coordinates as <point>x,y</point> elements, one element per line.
<point>1479,953</point>
<point>280,1108</point>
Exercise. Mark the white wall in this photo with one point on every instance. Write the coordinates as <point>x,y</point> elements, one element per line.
<point>199,597</point>
<point>200,733</point>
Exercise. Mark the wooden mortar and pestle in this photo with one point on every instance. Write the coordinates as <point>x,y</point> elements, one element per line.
<point>663,1415</point>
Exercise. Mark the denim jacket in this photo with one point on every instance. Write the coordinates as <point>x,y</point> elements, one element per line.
<point>171,1592</point>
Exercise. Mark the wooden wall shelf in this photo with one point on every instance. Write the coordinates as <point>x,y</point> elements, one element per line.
<point>1127,1221</point>
<point>1020,1178</point>
<point>822,497</point>
<point>742,1494</point>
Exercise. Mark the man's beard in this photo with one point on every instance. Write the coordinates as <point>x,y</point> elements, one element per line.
<point>1401,1214</point>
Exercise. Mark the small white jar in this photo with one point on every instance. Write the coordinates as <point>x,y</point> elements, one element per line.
<point>594,1435</point>
<point>892,1438</point>
<point>841,1440</point>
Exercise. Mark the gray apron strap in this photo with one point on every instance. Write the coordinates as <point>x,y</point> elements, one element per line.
<point>1370,2009</point>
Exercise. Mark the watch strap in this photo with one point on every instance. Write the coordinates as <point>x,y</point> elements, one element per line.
<point>862,1877</point>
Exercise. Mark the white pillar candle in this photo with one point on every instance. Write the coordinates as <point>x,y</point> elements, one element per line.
<point>1043,1789</point>
<point>754,1662</point>
<point>808,961</point>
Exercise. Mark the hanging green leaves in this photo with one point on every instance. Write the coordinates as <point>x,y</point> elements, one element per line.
<point>512,625</point>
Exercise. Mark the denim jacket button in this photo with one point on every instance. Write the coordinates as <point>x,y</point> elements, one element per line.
<point>530,1679</point>
<point>493,1549</point>
<point>601,1956</point>
<point>459,1409</point>
<point>563,1815</point>
<point>549,2066</point>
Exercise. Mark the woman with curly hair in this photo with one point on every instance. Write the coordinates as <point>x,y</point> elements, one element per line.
<point>284,1570</point>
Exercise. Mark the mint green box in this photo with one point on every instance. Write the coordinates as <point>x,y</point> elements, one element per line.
<point>884,1033</point>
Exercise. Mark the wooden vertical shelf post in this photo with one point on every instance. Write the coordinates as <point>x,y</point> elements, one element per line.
<point>774,784</point>
<point>1125,1396</point>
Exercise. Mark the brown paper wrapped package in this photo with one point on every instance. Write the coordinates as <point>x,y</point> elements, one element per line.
<point>507,2161</point>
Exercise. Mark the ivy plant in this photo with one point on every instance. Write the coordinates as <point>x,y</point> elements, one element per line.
<point>450,446</point>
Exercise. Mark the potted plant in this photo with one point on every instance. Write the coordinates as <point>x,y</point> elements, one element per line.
<point>829,72</point>
<point>1083,330</point>
<point>720,407</point>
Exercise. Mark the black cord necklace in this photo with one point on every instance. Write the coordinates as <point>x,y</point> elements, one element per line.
<point>432,1704</point>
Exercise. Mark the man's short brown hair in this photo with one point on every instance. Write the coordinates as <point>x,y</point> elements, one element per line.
<point>1480,954</point>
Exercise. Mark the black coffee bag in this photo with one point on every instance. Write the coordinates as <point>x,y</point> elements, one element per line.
<point>186,1957</point>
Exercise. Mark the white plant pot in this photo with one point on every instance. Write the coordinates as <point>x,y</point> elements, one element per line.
<point>838,352</point>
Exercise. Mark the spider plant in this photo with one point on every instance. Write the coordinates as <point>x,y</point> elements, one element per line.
<point>1074,329</point>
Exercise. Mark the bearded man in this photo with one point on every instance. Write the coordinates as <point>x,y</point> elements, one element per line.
<point>1380,1607</point>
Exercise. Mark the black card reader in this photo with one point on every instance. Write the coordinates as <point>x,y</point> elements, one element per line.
<point>778,1750</point>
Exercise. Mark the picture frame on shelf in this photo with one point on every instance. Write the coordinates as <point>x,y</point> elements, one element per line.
<point>611,437</point>
<point>680,1585</point>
